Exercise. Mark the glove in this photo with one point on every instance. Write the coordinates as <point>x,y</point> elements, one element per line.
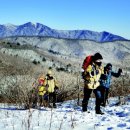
<point>120,70</point>
<point>97,72</point>
<point>56,89</point>
<point>103,77</point>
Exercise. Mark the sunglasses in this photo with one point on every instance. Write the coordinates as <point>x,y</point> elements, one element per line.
<point>109,68</point>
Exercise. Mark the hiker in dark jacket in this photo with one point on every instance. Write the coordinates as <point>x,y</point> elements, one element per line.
<point>105,81</point>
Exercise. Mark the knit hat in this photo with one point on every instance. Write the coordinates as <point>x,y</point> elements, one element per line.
<point>97,56</point>
<point>49,72</point>
<point>109,65</point>
<point>41,79</point>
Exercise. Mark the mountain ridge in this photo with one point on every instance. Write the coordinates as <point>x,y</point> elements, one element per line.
<point>38,29</point>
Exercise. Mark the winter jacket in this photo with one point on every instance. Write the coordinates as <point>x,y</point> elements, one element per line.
<point>50,84</point>
<point>105,80</point>
<point>93,73</point>
<point>41,90</point>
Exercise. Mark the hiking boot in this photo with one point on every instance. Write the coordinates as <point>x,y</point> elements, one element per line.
<point>103,104</point>
<point>99,112</point>
<point>54,105</point>
<point>84,109</point>
<point>50,106</point>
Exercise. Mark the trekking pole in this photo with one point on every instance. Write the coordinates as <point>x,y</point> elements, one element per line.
<point>104,98</point>
<point>109,93</point>
<point>78,90</point>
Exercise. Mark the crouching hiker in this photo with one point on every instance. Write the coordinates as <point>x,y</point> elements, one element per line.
<point>105,81</point>
<point>41,92</point>
<point>37,93</point>
<point>91,76</point>
<point>52,88</point>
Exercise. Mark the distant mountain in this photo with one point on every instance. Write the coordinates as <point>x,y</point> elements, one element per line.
<point>31,29</point>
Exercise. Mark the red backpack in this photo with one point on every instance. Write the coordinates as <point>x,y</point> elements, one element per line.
<point>87,62</point>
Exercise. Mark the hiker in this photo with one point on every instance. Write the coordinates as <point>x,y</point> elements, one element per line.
<point>52,88</point>
<point>41,91</point>
<point>37,92</point>
<point>91,81</point>
<point>105,81</point>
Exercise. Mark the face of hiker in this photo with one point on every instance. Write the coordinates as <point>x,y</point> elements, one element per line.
<point>98,62</point>
<point>109,68</point>
<point>49,76</point>
<point>41,82</point>
<point>97,58</point>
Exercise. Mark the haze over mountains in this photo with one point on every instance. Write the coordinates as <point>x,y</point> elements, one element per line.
<point>31,29</point>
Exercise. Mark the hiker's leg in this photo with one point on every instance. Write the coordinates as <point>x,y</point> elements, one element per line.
<point>46,99</point>
<point>106,95</point>
<point>50,99</point>
<point>40,100</point>
<point>98,101</point>
<point>103,96</point>
<point>54,99</point>
<point>87,94</point>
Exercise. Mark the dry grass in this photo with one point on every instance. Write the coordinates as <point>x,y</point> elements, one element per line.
<point>121,86</point>
<point>18,75</point>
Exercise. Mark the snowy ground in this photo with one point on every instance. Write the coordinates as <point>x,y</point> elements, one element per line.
<point>68,116</point>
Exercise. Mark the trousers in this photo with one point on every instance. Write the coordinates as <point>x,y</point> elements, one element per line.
<point>87,95</point>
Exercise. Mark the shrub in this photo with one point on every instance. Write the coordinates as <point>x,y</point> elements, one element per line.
<point>69,65</point>
<point>35,62</point>
<point>8,43</point>
<point>61,69</point>
<point>43,59</point>
<point>18,44</point>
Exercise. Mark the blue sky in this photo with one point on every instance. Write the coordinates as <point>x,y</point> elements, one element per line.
<point>96,15</point>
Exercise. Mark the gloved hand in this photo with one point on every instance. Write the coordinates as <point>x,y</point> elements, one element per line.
<point>120,70</point>
<point>103,77</point>
<point>56,89</point>
<point>97,72</point>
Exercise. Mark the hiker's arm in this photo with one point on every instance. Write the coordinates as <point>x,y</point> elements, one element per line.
<point>117,74</point>
<point>46,84</point>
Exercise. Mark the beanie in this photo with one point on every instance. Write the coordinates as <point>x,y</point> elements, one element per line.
<point>97,56</point>
<point>108,65</point>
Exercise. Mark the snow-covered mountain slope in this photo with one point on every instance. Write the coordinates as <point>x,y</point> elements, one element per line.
<point>117,52</point>
<point>30,29</point>
<point>7,30</point>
